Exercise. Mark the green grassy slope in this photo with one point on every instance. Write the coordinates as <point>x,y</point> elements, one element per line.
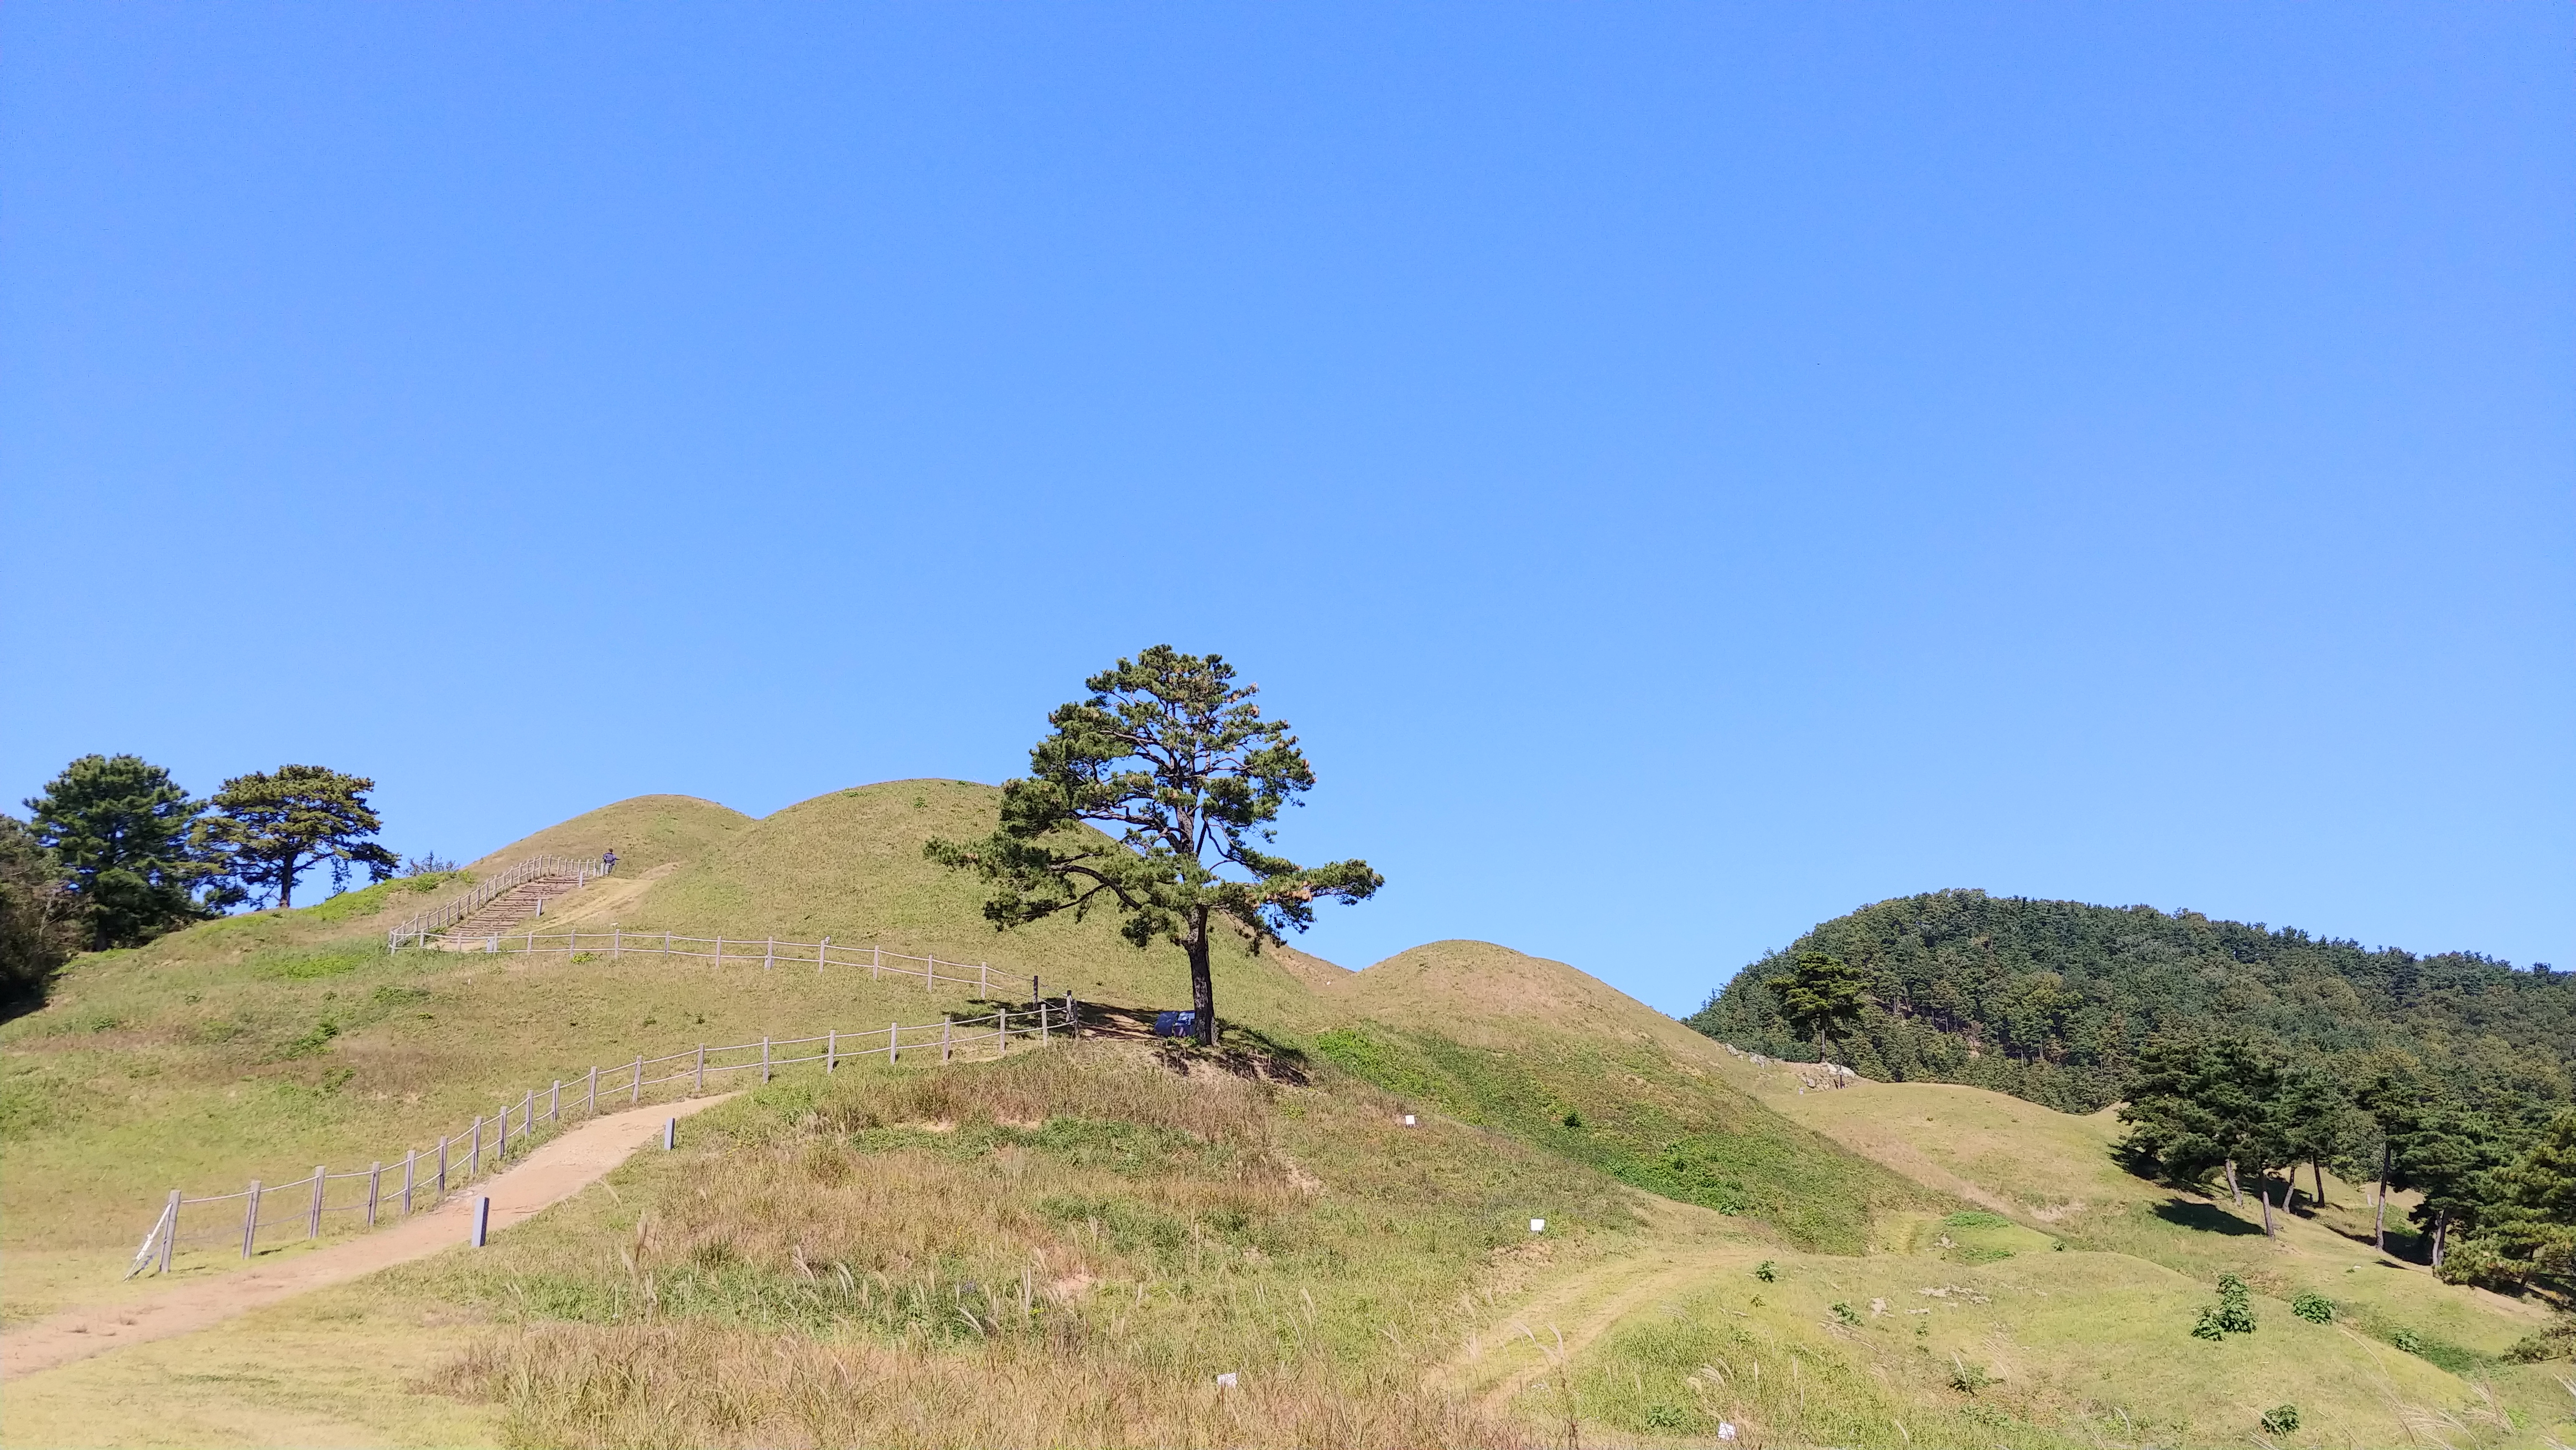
<point>842,1262</point>
<point>1564,1061</point>
<point>2053,1174</point>
<point>646,831</point>
<point>849,865</point>
<point>262,1044</point>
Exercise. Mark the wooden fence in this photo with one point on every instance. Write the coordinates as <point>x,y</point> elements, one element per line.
<point>617,944</point>
<point>518,873</point>
<point>421,1178</point>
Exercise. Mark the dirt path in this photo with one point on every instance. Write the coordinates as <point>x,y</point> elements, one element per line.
<point>553,1173</point>
<point>1685,1246</point>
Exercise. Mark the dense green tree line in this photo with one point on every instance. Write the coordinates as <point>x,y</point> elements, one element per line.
<point>2053,1000</point>
<point>115,853</point>
<point>2239,1053</point>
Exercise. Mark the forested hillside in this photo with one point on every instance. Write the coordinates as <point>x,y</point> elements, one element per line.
<point>2052,1000</point>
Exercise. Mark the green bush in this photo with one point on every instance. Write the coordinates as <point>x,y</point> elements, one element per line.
<point>2313,1307</point>
<point>1968,1378</point>
<point>2281,1420</point>
<point>2232,1314</point>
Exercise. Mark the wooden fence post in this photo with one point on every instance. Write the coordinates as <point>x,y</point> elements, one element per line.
<point>411,1161</point>
<point>701,1084</point>
<point>1072,1017</point>
<point>554,1103</point>
<point>528,1115</point>
<point>666,943</point>
<point>590,1103</point>
<point>823,956</point>
<point>943,1039</point>
<point>474,1155</point>
<point>172,1236</point>
<point>501,1149</point>
<point>719,949</point>
<point>441,1196</point>
<point>892,1041</point>
<point>764,1057</point>
<point>616,941</point>
<point>876,962</point>
<point>250,1219</point>
<point>636,1094</point>
<point>984,980</point>
<point>1002,1032</point>
<point>314,1231</point>
<point>831,1050</point>
<point>375,1190</point>
<point>769,960</point>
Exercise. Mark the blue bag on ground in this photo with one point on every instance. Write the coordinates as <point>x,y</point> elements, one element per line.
<point>1176,1024</point>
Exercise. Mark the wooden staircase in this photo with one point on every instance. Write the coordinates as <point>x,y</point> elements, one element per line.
<point>508,913</point>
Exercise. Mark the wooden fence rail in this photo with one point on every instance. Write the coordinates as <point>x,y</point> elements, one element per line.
<point>617,944</point>
<point>420,1179</point>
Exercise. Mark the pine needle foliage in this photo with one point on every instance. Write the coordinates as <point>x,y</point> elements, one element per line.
<point>1172,755</point>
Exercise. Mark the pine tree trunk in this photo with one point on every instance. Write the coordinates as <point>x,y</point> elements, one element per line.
<point>1202,985</point>
<point>2263,1191</point>
<point>2233,1192</point>
<point>2379,1218</point>
<point>286,884</point>
<point>2319,1169</point>
<point>2441,1229</point>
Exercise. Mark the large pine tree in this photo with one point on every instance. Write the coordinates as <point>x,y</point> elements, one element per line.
<point>126,834</point>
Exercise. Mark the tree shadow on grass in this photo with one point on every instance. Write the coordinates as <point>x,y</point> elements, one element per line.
<point>2206,1217</point>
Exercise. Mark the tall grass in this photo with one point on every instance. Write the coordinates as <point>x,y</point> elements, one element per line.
<point>687,1384</point>
<point>1063,1248</point>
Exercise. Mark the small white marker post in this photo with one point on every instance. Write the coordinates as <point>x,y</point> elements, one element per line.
<point>1538,1225</point>
<point>670,1134</point>
<point>482,1218</point>
<point>1408,1120</point>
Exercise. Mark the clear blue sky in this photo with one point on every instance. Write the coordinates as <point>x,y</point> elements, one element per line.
<point>1686,470</point>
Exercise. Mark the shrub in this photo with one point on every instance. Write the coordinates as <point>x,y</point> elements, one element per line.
<point>1968,1378</point>
<point>2557,1341</point>
<point>1845,1314</point>
<point>1766,1271</point>
<point>2281,1420</point>
<point>2313,1307</point>
<point>2232,1314</point>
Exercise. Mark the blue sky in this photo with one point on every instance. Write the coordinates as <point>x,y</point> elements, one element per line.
<point>1687,471</point>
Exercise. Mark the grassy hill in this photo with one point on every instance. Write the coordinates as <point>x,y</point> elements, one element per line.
<point>1067,1247</point>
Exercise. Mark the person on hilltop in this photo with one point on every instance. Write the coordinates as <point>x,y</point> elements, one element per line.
<point>608,862</point>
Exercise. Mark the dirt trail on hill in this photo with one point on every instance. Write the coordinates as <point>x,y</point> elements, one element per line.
<point>556,1171</point>
<point>1685,1248</point>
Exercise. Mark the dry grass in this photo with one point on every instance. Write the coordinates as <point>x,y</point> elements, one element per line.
<point>695,1384</point>
<point>1062,1248</point>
